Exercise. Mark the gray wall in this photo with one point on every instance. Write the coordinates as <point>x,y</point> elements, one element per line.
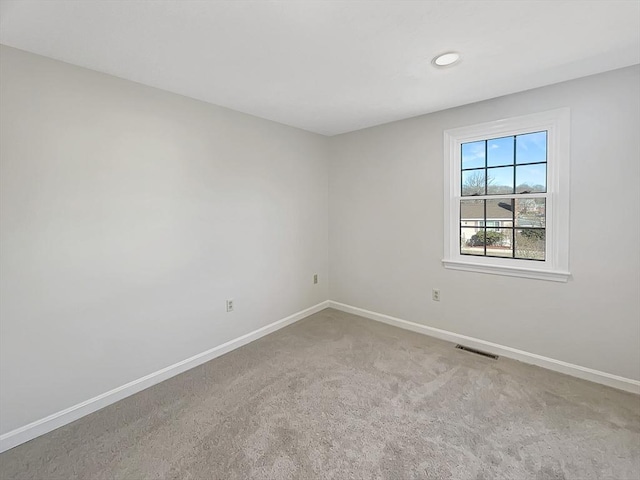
<point>386,230</point>
<point>129,215</point>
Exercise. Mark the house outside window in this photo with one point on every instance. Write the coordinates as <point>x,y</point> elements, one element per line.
<point>507,197</point>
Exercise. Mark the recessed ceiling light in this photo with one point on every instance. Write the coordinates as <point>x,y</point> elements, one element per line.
<point>446,59</point>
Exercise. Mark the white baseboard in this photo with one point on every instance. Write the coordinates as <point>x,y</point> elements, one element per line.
<point>40,427</point>
<point>596,376</point>
<point>64,417</point>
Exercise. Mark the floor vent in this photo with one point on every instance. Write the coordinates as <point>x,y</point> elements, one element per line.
<point>477,352</point>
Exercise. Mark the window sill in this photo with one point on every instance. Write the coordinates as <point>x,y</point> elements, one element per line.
<point>549,275</point>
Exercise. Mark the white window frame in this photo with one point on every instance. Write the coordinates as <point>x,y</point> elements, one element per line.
<point>555,267</point>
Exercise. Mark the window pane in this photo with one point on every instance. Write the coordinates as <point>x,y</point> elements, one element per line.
<point>473,182</point>
<point>530,243</point>
<point>471,212</point>
<point>473,155</point>
<point>500,213</point>
<point>500,152</point>
<point>499,180</point>
<point>499,246</point>
<point>531,147</point>
<point>472,241</point>
<point>531,178</point>
<point>530,212</point>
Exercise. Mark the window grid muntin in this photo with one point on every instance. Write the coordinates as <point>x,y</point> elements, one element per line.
<point>513,165</point>
<point>512,229</point>
<point>513,246</point>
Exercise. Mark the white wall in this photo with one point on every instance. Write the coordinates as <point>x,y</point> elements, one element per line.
<point>129,215</point>
<point>386,230</point>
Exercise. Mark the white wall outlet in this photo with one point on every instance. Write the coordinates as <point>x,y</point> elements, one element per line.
<point>230,305</point>
<point>315,278</point>
<point>435,295</point>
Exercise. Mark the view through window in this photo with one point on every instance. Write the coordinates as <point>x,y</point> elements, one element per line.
<point>504,197</point>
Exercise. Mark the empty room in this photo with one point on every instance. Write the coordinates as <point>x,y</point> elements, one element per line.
<point>319,239</point>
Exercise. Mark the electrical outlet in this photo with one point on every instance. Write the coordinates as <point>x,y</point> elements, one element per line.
<point>435,295</point>
<point>315,278</point>
<point>230,305</point>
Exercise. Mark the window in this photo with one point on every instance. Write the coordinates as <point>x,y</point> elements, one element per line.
<point>507,197</point>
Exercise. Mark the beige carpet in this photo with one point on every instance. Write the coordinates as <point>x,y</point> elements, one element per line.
<point>338,396</point>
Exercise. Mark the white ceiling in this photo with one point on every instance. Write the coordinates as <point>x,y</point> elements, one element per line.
<point>331,66</point>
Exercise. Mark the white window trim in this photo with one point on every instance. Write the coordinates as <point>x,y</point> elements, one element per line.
<point>556,266</point>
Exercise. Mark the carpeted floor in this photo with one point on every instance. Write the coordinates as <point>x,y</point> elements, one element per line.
<point>339,396</point>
